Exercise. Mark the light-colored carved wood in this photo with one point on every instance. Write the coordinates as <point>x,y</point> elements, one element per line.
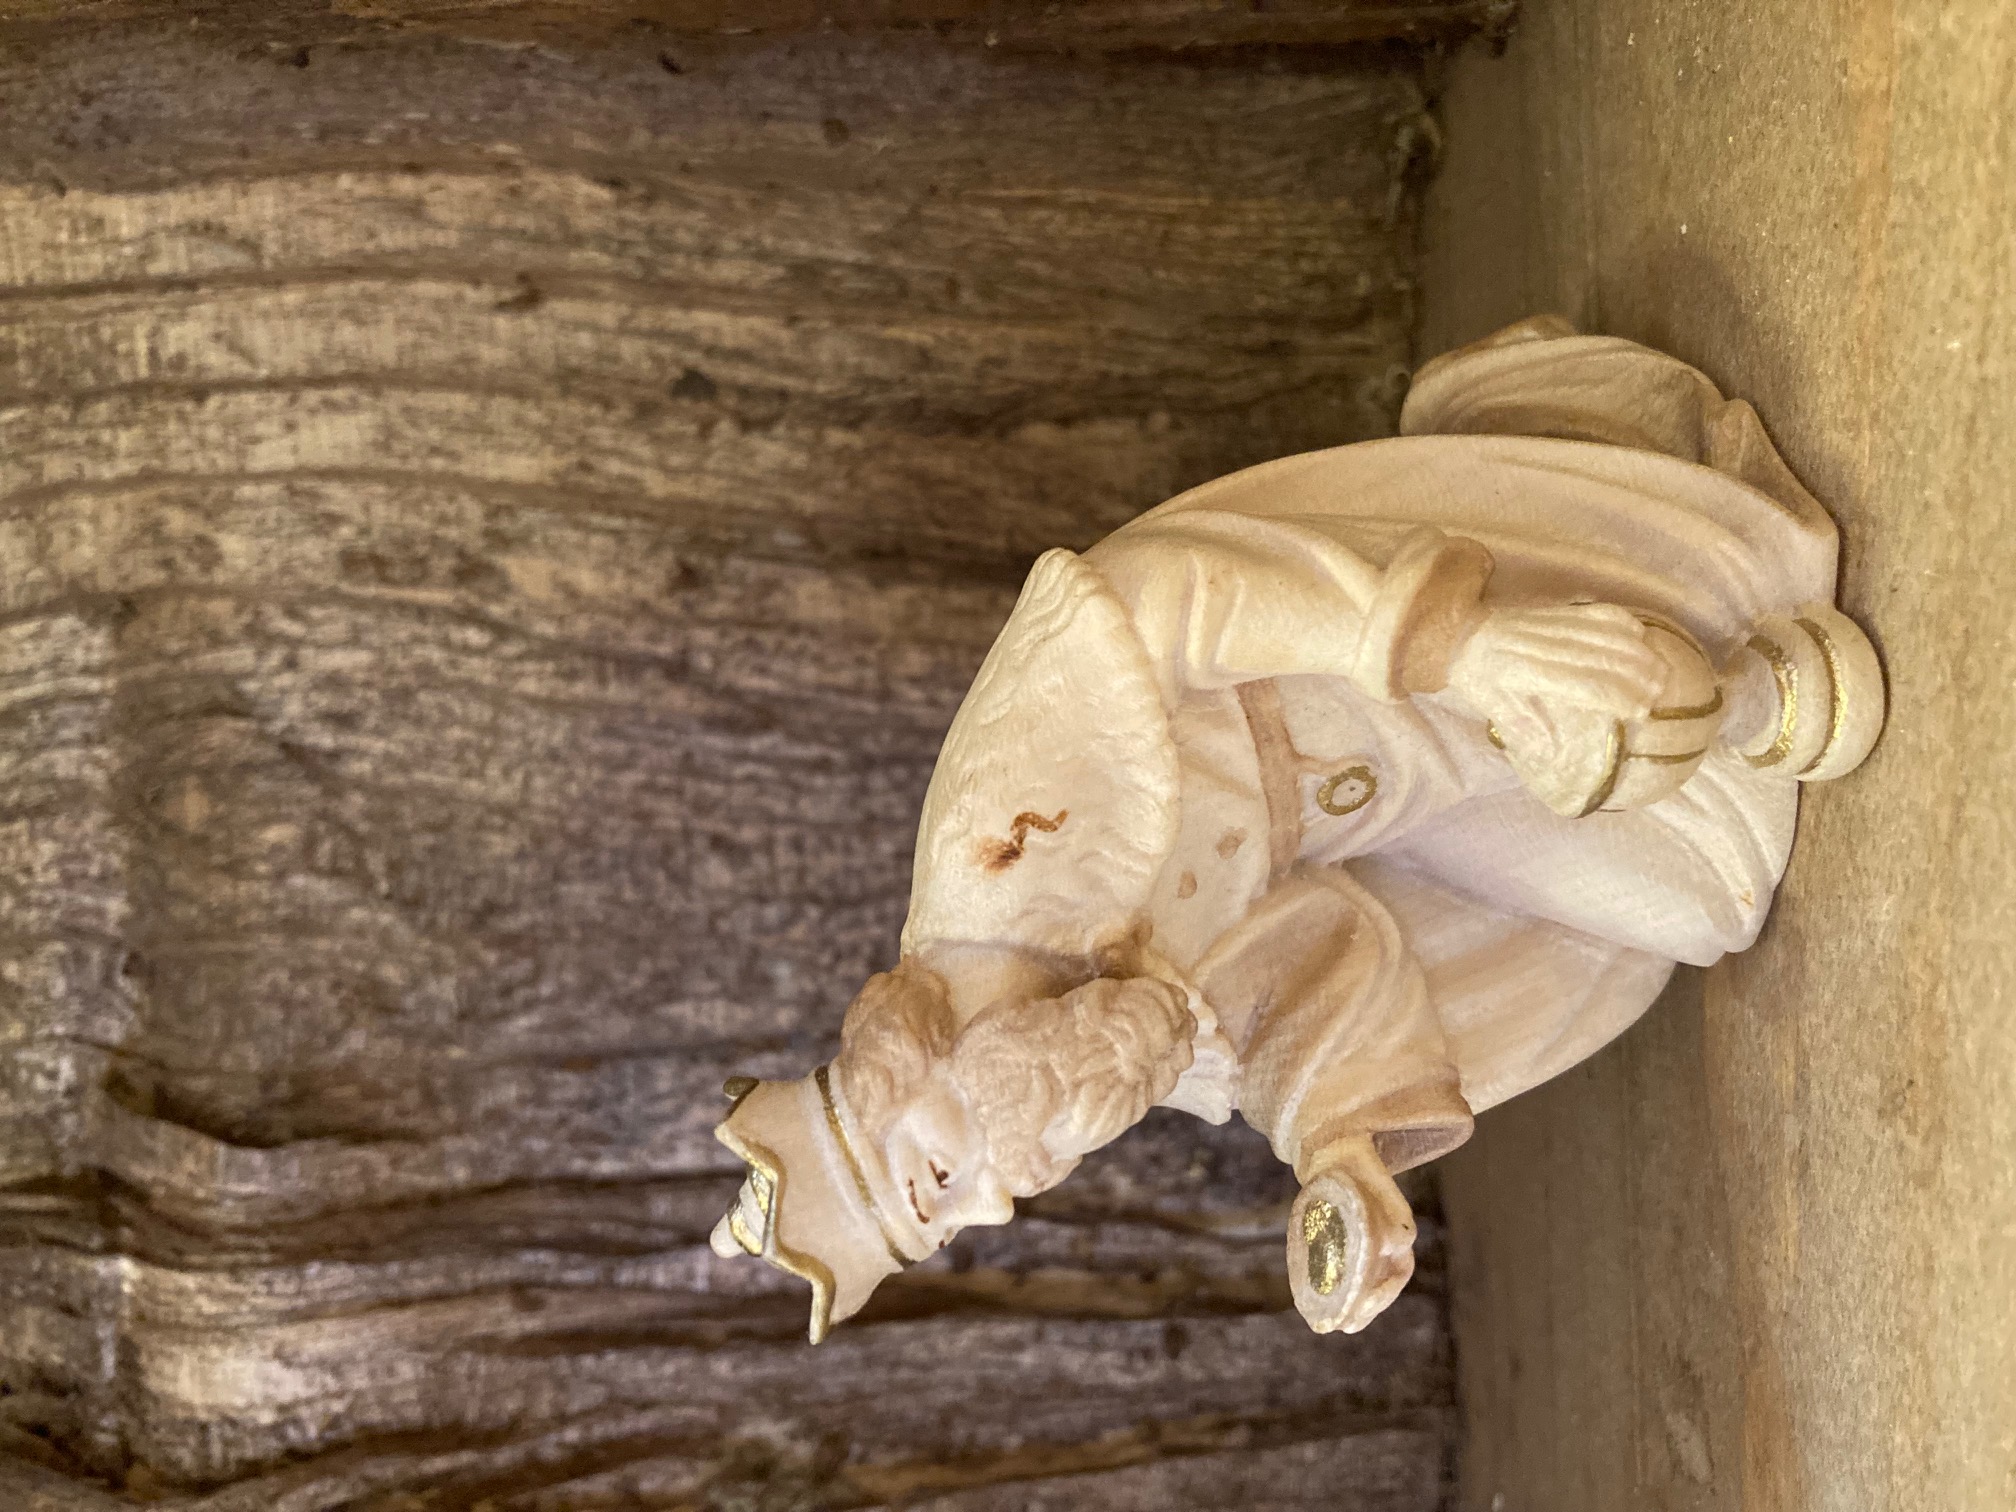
<point>1548,814</point>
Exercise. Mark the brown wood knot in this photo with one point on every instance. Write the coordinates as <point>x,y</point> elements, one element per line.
<point>999,855</point>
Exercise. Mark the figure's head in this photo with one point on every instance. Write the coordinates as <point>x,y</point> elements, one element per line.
<point>920,1129</point>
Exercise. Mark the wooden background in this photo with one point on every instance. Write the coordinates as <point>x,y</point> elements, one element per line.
<point>1759,1254</point>
<point>497,507</point>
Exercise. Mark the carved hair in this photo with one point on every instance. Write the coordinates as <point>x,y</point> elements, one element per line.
<point>897,1026</point>
<point>1053,1079</point>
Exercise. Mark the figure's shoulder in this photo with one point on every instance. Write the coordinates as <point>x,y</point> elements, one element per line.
<point>1055,796</point>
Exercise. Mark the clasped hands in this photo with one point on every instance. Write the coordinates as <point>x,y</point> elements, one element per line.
<point>1537,674</point>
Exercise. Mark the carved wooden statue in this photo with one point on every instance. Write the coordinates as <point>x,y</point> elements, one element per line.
<point>1358,792</point>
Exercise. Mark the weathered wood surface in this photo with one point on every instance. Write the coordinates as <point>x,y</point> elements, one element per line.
<point>1758,1254</point>
<point>492,539</point>
<point>1081,26</point>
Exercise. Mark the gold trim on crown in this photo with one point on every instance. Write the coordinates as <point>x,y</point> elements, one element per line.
<point>762,1163</point>
<point>823,1076</point>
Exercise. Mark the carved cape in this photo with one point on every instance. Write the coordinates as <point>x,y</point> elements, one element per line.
<point>1142,763</point>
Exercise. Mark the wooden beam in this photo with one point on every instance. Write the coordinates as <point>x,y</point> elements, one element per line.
<point>494,538</point>
<point>1097,26</point>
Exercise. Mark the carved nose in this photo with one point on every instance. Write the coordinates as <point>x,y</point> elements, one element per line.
<point>995,1204</point>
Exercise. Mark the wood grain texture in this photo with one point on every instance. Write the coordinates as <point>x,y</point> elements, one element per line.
<point>1083,26</point>
<point>1757,1255</point>
<point>493,539</point>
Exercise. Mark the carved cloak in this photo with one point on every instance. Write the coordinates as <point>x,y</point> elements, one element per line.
<point>1116,773</point>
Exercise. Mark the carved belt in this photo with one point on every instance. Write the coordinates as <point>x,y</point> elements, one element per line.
<point>1282,767</point>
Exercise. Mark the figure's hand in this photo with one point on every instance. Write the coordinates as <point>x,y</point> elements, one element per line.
<point>1559,689</point>
<point>1350,1241</point>
<point>1589,657</point>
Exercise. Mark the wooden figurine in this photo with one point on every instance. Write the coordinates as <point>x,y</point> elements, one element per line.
<point>1358,792</point>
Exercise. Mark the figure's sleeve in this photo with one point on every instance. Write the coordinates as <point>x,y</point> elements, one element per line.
<point>1688,878</point>
<point>1336,1034</point>
<point>1221,598</point>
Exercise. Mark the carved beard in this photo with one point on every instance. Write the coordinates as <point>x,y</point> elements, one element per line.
<point>1050,1080</point>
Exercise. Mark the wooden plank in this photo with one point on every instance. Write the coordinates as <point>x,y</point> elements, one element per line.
<point>1757,1255</point>
<point>1087,26</point>
<point>494,539</point>
<point>1361,1474</point>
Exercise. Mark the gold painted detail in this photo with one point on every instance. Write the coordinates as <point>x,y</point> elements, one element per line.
<point>1616,767</point>
<point>766,1184</point>
<point>1368,785</point>
<point>1328,1243</point>
<point>1837,714</point>
<point>823,1077</point>
<point>763,1187</point>
<point>738,1229</point>
<point>1491,734</point>
<point>1787,676</point>
<point>1679,633</point>
<point>1699,711</point>
<point>762,1182</point>
<point>1663,758</point>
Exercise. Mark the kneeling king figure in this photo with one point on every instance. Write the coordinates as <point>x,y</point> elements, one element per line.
<point>1357,792</point>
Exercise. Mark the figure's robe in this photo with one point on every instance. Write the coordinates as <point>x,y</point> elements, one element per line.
<point>1193,745</point>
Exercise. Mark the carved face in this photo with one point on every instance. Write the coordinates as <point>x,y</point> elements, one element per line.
<point>921,1127</point>
<point>936,1156</point>
<point>948,1124</point>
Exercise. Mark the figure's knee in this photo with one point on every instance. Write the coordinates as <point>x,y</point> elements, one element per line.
<point>1542,377</point>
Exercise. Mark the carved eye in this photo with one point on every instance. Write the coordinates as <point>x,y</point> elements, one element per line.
<point>943,1176</point>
